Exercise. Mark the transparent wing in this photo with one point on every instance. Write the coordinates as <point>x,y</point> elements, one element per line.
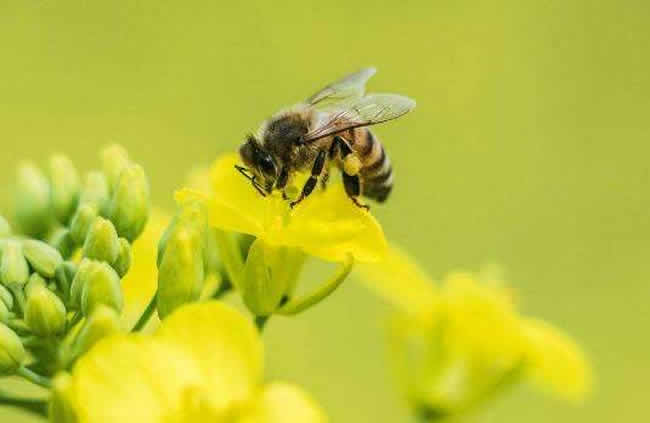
<point>365,111</point>
<point>352,85</point>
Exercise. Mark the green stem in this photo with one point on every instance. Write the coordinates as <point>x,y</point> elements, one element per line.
<point>260,322</point>
<point>35,378</point>
<point>146,315</point>
<point>32,405</point>
<point>325,290</point>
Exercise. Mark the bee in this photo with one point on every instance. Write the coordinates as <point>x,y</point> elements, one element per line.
<point>329,128</point>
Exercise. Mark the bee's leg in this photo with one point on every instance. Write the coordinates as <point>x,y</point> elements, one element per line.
<point>281,183</point>
<point>324,178</point>
<point>353,189</point>
<point>316,170</point>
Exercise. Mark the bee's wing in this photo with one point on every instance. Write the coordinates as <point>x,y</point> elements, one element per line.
<point>365,111</point>
<point>352,85</point>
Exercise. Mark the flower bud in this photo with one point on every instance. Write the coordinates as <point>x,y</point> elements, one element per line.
<point>81,222</point>
<point>35,280</point>
<point>80,280</point>
<point>65,184</point>
<point>181,271</point>
<point>62,241</point>
<point>44,311</point>
<point>114,159</point>
<point>14,270</point>
<point>96,191</point>
<point>102,242</point>
<point>4,313</point>
<point>12,353</point>
<point>5,229</point>
<point>32,200</point>
<point>102,288</point>
<point>61,405</point>
<point>129,206</point>
<point>43,257</point>
<point>64,275</point>
<point>6,298</point>
<point>104,321</point>
<point>123,261</point>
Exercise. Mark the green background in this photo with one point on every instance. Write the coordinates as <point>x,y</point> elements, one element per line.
<point>529,148</point>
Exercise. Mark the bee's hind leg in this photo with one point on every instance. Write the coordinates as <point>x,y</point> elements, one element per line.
<point>353,189</point>
<point>316,171</point>
<point>324,179</point>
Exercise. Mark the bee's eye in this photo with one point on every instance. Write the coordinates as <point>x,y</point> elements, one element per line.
<point>266,164</point>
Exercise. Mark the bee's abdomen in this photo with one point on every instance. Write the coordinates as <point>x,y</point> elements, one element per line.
<point>376,171</point>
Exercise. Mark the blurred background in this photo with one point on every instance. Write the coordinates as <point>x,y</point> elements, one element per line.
<point>529,148</point>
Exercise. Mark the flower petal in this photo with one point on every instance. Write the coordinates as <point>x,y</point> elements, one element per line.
<point>556,362</point>
<point>398,279</point>
<point>284,403</point>
<point>140,283</point>
<point>225,346</point>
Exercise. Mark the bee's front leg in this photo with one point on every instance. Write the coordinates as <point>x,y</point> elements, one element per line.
<point>309,186</point>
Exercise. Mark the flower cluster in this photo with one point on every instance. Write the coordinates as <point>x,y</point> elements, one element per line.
<point>61,270</point>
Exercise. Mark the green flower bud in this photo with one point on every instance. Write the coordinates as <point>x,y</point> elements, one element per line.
<point>123,262</point>
<point>61,405</point>
<point>61,239</point>
<point>102,242</point>
<point>14,270</point>
<point>129,206</point>
<point>44,311</point>
<point>104,321</point>
<point>6,298</point>
<point>32,200</point>
<point>162,243</point>
<point>4,313</point>
<point>102,288</point>
<point>81,222</point>
<point>114,159</point>
<point>5,229</point>
<point>35,280</point>
<point>181,272</point>
<point>65,186</point>
<point>96,191</point>
<point>80,280</point>
<point>64,275</point>
<point>43,257</point>
<point>12,353</point>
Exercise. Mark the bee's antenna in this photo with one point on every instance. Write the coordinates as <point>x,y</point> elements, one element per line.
<point>251,178</point>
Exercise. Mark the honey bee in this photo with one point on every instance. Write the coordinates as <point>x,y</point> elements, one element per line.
<point>329,128</point>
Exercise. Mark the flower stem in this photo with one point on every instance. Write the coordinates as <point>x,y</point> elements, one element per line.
<point>260,322</point>
<point>35,378</point>
<point>32,405</point>
<point>146,314</point>
<point>296,306</point>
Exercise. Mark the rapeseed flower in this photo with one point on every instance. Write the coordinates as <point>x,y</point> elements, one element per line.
<point>204,363</point>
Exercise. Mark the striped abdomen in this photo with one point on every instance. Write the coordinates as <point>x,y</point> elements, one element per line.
<point>376,171</point>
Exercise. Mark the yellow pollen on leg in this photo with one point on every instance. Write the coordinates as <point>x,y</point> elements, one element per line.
<point>351,165</point>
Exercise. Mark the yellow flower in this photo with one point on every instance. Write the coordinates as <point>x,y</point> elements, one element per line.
<point>139,284</point>
<point>457,344</point>
<point>326,224</point>
<point>204,363</point>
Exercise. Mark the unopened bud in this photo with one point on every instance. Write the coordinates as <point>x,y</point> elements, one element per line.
<point>4,313</point>
<point>32,200</point>
<point>12,352</point>
<point>104,321</point>
<point>129,206</point>
<point>62,241</point>
<point>80,280</point>
<point>64,275</point>
<point>6,298</point>
<point>5,229</point>
<point>114,159</point>
<point>96,191</point>
<point>44,312</point>
<point>61,404</point>
<point>123,261</point>
<point>65,185</point>
<point>81,222</point>
<point>102,288</point>
<point>102,242</point>
<point>35,280</point>
<point>43,257</point>
<point>14,270</point>
<point>181,272</point>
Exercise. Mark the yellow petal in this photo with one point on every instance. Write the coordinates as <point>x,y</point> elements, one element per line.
<point>284,403</point>
<point>327,224</point>
<point>225,346</point>
<point>556,362</point>
<point>398,279</point>
<point>141,281</point>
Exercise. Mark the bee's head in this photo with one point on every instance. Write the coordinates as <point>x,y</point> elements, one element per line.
<point>261,165</point>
